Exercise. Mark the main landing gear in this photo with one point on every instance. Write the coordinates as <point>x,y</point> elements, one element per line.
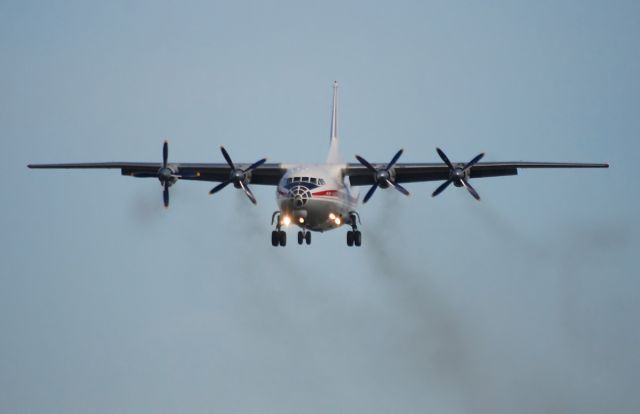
<point>354,237</point>
<point>278,236</point>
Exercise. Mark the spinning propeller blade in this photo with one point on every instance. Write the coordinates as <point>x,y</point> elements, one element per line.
<point>458,174</point>
<point>238,177</point>
<point>383,177</point>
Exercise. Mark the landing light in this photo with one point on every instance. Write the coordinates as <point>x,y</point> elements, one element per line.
<point>338,221</point>
<point>332,216</point>
<point>286,220</point>
<point>301,220</point>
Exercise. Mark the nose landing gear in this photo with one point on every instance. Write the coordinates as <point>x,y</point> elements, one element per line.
<point>304,236</point>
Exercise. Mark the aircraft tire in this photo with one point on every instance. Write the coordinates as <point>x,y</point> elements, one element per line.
<point>300,237</point>
<point>282,238</point>
<point>350,238</point>
<point>307,237</point>
<point>275,240</point>
<point>357,238</point>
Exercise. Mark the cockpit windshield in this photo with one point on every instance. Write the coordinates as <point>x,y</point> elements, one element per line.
<point>312,180</point>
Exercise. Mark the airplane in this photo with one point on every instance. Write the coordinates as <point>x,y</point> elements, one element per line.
<point>320,197</point>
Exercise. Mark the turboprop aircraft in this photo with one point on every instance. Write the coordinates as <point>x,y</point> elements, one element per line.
<point>320,197</point>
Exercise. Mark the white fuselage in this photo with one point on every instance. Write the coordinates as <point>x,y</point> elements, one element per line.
<point>315,197</point>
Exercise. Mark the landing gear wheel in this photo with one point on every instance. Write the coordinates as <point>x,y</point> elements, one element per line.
<point>300,237</point>
<point>275,239</point>
<point>350,238</point>
<point>307,238</point>
<point>357,238</point>
<point>282,238</point>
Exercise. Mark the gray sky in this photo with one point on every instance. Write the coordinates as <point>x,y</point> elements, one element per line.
<point>526,302</point>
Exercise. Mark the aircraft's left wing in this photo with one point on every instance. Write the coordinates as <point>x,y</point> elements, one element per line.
<point>415,172</point>
<point>458,174</point>
<point>266,174</point>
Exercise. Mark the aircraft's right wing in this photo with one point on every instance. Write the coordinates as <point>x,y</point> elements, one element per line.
<point>267,174</point>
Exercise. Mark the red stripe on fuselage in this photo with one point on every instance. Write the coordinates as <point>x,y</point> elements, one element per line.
<point>325,193</point>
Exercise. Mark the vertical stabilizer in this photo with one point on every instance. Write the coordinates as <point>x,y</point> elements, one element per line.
<point>334,153</point>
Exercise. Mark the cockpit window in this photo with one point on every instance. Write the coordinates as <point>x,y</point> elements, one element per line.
<point>313,180</point>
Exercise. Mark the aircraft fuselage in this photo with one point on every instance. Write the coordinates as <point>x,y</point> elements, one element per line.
<point>315,198</point>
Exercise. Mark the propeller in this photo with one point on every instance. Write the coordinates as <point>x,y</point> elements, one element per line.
<point>458,175</point>
<point>165,174</point>
<point>382,176</point>
<point>238,176</point>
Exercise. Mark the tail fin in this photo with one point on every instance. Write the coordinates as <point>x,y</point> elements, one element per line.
<point>334,153</point>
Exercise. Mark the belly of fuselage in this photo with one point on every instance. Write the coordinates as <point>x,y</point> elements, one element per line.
<point>317,214</point>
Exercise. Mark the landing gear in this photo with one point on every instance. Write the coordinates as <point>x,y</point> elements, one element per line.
<point>304,236</point>
<point>354,237</point>
<point>278,238</point>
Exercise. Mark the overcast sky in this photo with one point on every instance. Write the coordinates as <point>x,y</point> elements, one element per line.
<point>527,302</point>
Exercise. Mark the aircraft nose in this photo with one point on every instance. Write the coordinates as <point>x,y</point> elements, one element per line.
<point>299,195</point>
